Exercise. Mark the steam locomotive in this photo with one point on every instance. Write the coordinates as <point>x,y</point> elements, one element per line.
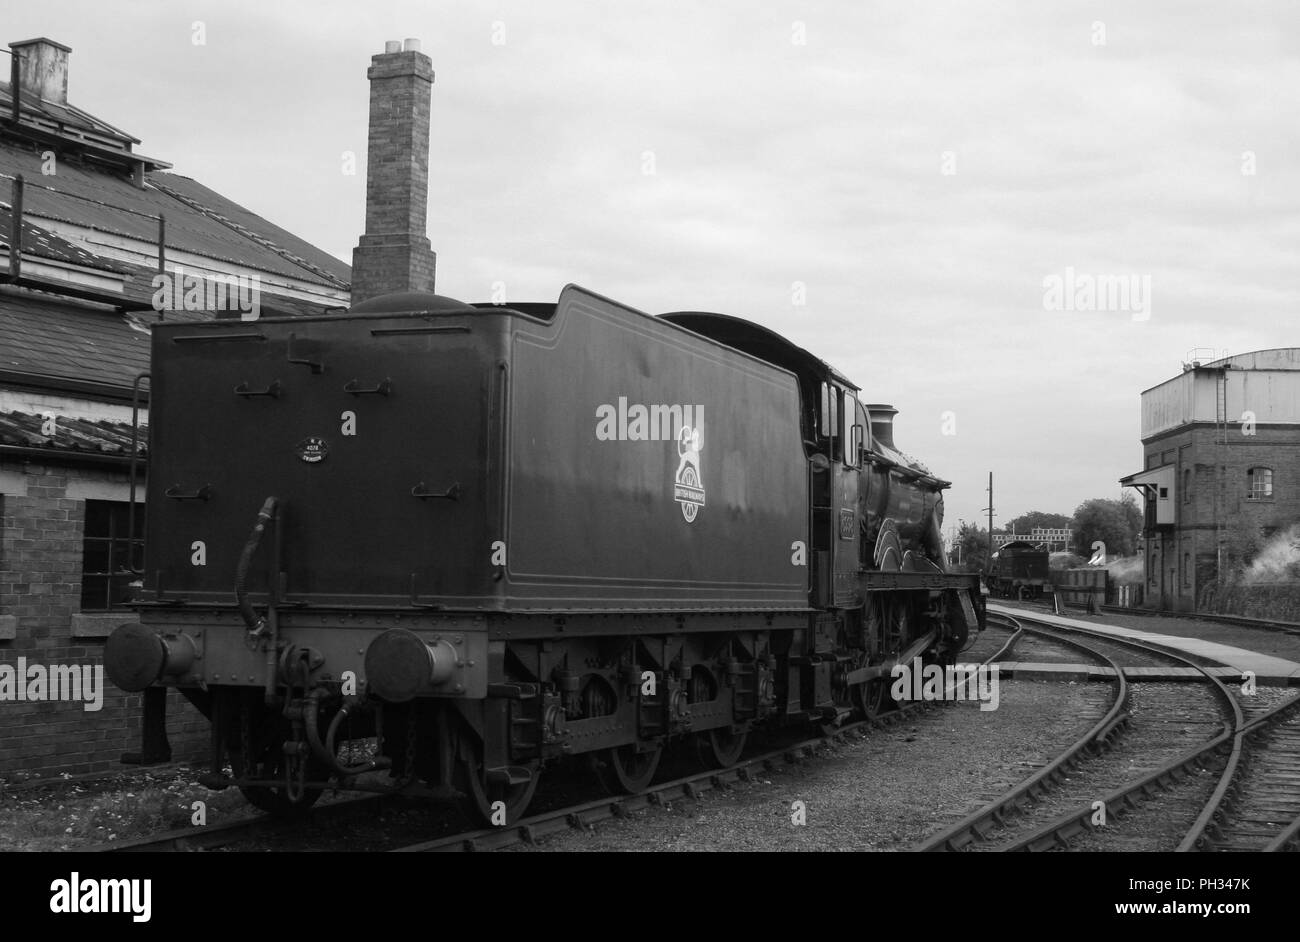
<point>1020,569</point>
<point>482,539</point>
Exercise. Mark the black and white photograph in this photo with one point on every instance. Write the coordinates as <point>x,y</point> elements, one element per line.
<point>724,429</point>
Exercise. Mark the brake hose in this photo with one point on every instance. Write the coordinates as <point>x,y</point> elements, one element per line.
<point>325,751</point>
<point>255,624</point>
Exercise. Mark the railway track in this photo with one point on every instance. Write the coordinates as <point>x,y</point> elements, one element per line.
<point>588,814</point>
<point>1255,804</point>
<point>260,829</point>
<point>977,826</point>
<point>582,816</point>
<point>1265,624</point>
<point>1127,655</point>
<point>997,644</point>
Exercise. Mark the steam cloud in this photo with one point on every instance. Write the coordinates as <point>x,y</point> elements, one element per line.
<point>1278,561</point>
<point>1126,570</point>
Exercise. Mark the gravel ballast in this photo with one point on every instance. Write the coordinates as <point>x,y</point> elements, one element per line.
<point>885,792</point>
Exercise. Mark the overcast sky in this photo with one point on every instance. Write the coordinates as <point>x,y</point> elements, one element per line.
<point>920,168</point>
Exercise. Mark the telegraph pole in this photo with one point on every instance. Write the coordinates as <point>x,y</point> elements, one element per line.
<point>989,562</point>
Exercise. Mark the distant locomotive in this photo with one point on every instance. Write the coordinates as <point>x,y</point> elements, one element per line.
<point>1020,570</point>
<point>488,538</point>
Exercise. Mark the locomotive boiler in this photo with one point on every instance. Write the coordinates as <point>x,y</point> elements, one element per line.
<point>484,539</point>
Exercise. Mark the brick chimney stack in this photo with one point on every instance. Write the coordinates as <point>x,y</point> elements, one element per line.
<point>394,253</point>
<point>43,68</point>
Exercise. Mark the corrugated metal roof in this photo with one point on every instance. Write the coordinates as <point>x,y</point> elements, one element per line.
<point>47,339</point>
<point>68,115</point>
<point>25,429</point>
<point>279,240</point>
<point>139,288</point>
<point>198,219</point>
<point>45,244</point>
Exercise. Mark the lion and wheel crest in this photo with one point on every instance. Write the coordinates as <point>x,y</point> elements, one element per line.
<point>688,489</point>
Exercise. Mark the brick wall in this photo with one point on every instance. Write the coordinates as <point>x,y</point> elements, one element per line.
<point>1191,551</point>
<point>41,531</point>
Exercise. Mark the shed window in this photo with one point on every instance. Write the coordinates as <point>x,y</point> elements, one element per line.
<point>1259,484</point>
<point>107,554</point>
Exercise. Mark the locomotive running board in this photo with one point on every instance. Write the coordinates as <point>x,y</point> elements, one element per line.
<point>875,581</point>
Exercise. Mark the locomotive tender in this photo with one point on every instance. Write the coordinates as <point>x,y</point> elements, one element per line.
<point>1020,569</point>
<point>491,537</point>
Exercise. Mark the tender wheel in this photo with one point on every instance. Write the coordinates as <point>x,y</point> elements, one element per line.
<point>623,770</point>
<point>714,748</point>
<point>480,803</point>
<point>718,748</point>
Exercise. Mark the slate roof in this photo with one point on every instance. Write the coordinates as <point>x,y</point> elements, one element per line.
<point>24,429</point>
<point>58,338</point>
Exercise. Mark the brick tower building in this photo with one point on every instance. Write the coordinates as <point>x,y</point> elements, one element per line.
<point>1221,469</point>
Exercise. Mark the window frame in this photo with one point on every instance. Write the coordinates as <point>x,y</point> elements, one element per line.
<point>107,591</point>
<point>852,430</point>
<point>1253,491</point>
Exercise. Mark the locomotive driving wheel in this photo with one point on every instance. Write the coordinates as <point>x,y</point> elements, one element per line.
<point>873,698</point>
<point>887,624</point>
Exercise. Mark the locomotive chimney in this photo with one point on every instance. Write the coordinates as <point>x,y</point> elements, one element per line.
<point>882,423</point>
<point>43,68</point>
<point>394,253</point>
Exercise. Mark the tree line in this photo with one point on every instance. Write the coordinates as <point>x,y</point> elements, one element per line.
<point>1117,523</point>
